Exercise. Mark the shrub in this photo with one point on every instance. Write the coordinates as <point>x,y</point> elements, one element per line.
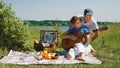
<point>13,32</point>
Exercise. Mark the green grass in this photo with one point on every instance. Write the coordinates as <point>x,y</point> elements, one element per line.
<point>107,47</point>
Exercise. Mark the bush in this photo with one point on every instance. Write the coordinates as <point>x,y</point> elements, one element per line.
<point>13,32</point>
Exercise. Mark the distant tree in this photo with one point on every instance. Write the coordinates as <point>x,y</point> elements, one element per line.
<point>13,32</point>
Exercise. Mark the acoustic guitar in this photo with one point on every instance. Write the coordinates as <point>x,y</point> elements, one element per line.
<point>67,43</point>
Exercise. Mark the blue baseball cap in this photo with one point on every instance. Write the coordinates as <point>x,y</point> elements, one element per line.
<point>88,12</point>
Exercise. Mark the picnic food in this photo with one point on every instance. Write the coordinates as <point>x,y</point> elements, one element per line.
<point>47,54</point>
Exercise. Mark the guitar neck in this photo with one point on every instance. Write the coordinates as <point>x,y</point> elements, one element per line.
<point>101,28</point>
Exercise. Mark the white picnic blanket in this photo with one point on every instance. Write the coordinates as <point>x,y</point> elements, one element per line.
<point>27,58</point>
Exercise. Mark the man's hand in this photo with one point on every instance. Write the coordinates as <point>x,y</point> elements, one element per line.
<point>96,34</point>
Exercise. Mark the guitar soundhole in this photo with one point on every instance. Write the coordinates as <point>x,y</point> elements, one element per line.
<point>67,41</point>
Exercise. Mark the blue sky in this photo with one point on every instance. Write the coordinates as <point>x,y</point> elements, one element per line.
<point>104,10</point>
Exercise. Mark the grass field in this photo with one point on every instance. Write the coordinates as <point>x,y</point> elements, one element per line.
<point>107,47</point>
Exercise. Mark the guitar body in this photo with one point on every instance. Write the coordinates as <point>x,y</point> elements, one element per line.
<point>69,43</point>
<point>66,44</point>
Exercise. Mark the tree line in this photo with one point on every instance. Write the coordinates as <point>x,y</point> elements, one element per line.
<point>59,22</point>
